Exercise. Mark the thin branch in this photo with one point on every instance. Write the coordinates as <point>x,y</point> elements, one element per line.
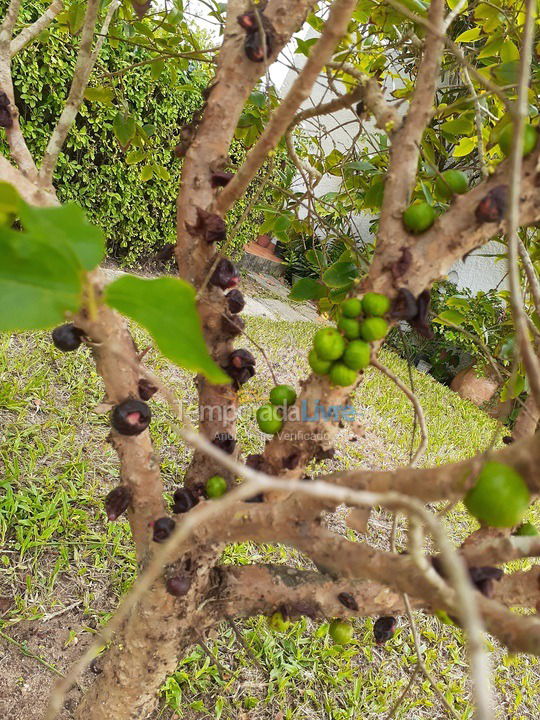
<point>86,60</point>
<point>30,193</point>
<point>334,30</point>
<point>420,450</point>
<point>478,122</point>
<point>530,272</point>
<point>32,31</point>
<point>530,359</point>
<point>372,95</point>
<point>17,144</point>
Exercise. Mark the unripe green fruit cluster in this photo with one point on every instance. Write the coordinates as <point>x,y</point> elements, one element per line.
<point>270,416</point>
<point>342,352</point>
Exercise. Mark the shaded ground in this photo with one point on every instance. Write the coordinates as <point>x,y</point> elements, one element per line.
<point>58,552</point>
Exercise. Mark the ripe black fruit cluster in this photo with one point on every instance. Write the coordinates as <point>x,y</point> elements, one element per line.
<point>235,301</point>
<point>254,46</point>
<point>117,502</point>
<point>232,325</point>
<point>383,629</point>
<point>131,417</point>
<point>225,442</point>
<point>183,500</point>
<point>163,528</point>
<point>241,367</point>
<point>67,337</point>
<point>225,275</point>
<point>178,585</point>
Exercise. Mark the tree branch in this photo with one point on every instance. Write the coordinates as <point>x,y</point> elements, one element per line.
<point>86,60</point>
<point>30,193</point>
<point>334,29</point>
<point>32,31</point>
<point>15,138</point>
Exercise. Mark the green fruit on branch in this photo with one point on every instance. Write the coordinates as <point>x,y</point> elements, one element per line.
<point>328,344</point>
<point>500,496</point>
<point>277,622</point>
<point>269,419</point>
<point>351,308</point>
<point>341,631</point>
<point>215,487</point>
<point>342,375</point>
<point>319,367</point>
<point>357,355</point>
<point>375,304</point>
<point>418,217</point>
<point>282,395</point>
<point>451,182</point>
<point>374,328</point>
<point>349,327</point>
<point>530,137</point>
<point>526,530</point>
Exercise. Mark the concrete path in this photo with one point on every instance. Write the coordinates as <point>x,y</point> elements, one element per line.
<point>272,308</point>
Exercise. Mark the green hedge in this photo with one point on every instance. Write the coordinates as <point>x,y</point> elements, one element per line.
<point>138,217</point>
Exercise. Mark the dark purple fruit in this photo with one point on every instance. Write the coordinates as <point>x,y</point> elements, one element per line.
<point>146,389</point>
<point>178,585</point>
<point>241,366</point>
<point>248,21</point>
<point>508,439</point>
<point>492,207</point>
<point>291,461</point>
<point>131,417</point>
<point>384,628</point>
<point>209,226</point>
<point>183,500</point>
<point>6,121</point>
<point>225,275</point>
<point>253,45</point>
<point>256,462</point>
<point>225,442</point>
<point>483,577</point>
<point>67,337</point>
<point>232,325</point>
<point>220,178</point>
<point>163,527</point>
<point>360,108</point>
<point>117,502</point>
<point>421,322</point>
<point>348,600</point>
<point>404,305</point>
<point>235,301</point>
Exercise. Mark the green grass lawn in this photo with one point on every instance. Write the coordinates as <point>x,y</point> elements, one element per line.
<point>56,549</point>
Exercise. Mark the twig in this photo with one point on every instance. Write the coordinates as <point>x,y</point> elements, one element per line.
<point>223,672</point>
<point>86,60</point>
<point>403,695</point>
<point>530,272</point>
<point>530,359</point>
<point>420,660</point>
<point>417,409</point>
<point>29,654</point>
<point>245,646</point>
<point>478,122</point>
<point>32,31</point>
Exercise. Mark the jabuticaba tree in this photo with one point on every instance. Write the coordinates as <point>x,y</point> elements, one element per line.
<point>183,590</point>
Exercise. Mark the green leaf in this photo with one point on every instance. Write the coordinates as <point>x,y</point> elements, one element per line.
<point>156,68</point>
<point>469,35</point>
<point>507,73</point>
<point>458,126</point>
<point>166,308</point>
<point>316,258</point>
<point>10,202</point>
<point>307,289</point>
<point>99,94</point>
<point>450,317</point>
<point>491,48</point>
<point>162,172</point>
<point>340,274</point>
<point>40,280</point>
<point>66,224</point>
<point>135,156</point>
<point>465,147</point>
<point>513,387</point>
<point>147,173</point>
<point>124,127</point>
<point>75,17</point>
